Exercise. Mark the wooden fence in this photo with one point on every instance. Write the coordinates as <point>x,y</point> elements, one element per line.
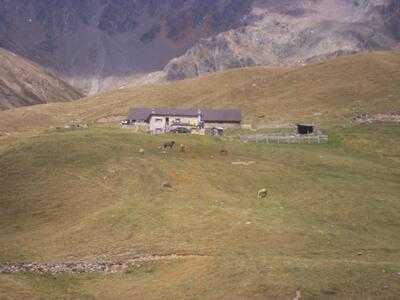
<point>286,139</point>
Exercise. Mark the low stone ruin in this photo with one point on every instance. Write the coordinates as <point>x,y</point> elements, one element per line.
<point>366,118</point>
<point>57,268</point>
<point>81,267</point>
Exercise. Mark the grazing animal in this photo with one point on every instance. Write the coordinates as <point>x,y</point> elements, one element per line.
<point>262,194</point>
<point>167,185</point>
<point>182,148</point>
<point>168,145</point>
<point>224,152</point>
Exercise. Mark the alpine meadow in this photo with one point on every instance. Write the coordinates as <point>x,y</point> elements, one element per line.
<point>156,149</point>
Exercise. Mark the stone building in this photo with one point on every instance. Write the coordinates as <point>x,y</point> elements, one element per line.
<point>164,120</point>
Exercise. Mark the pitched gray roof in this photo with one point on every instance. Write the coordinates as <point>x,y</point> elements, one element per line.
<point>139,114</point>
<point>222,115</point>
<point>209,115</point>
<point>189,112</point>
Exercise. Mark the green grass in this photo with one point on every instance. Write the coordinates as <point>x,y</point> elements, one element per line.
<point>87,194</point>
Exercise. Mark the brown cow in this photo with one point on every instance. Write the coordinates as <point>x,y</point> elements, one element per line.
<point>170,145</point>
<point>224,152</point>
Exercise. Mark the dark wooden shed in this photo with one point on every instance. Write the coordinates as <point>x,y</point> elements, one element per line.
<point>305,128</point>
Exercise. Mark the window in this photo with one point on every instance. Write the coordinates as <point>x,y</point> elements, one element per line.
<point>158,120</point>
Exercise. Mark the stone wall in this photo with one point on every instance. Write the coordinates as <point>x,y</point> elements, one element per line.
<point>223,125</point>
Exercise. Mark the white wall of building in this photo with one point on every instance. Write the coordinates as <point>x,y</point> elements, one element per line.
<point>161,124</point>
<point>158,124</point>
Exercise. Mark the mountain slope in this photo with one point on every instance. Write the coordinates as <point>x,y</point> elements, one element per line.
<point>326,93</point>
<point>96,44</point>
<point>100,44</point>
<point>24,83</point>
<point>295,33</point>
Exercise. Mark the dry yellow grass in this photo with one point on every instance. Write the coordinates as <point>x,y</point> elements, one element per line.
<point>326,93</point>
<point>89,194</point>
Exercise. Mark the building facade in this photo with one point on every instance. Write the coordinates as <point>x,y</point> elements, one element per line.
<point>164,120</point>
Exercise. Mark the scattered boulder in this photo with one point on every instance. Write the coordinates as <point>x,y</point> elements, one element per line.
<point>141,151</point>
<point>262,194</point>
<point>182,148</point>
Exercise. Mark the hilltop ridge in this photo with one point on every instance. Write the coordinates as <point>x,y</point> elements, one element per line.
<point>327,92</point>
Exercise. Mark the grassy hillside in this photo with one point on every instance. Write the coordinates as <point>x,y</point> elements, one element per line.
<point>24,83</point>
<point>326,93</point>
<point>328,228</point>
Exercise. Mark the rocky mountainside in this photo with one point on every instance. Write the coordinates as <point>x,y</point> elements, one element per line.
<point>295,33</point>
<point>96,44</point>
<point>100,44</point>
<point>24,83</point>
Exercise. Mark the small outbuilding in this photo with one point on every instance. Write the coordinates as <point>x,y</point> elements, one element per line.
<point>305,129</point>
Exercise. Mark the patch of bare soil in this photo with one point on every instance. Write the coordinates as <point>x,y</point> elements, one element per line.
<point>111,119</point>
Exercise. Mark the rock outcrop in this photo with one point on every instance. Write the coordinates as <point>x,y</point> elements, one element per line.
<point>295,33</point>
